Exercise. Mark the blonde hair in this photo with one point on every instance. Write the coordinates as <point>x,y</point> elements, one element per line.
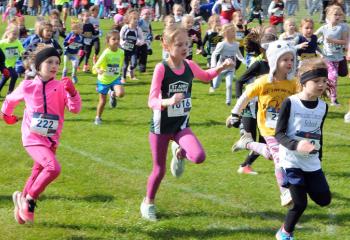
<point>186,18</point>
<point>129,13</point>
<point>226,27</point>
<point>192,4</point>
<point>168,18</point>
<point>212,20</point>
<point>235,14</point>
<point>311,64</point>
<point>176,6</point>
<point>305,21</point>
<point>290,20</point>
<point>334,8</point>
<point>171,32</point>
<point>11,28</point>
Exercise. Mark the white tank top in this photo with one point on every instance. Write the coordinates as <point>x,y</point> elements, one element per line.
<point>303,123</point>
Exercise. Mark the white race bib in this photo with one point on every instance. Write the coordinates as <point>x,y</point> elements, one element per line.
<point>44,124</point>
<point>11,52</point>
<point>312,138</point>
<point>87,41</point>
<point>112,69</point>
<point>128,46</point>
<point>271,118</point>
<point>180,109</point>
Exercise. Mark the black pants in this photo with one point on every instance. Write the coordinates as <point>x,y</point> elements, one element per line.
<point>96,44</point>
<point>312,183</point>
<point>129,57</point>
<point>142,57</point>
<point>13,76</point>
<point>87,53</point>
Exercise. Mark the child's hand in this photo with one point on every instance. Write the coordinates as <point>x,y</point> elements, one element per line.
<point>330,40</point>
<point>9,119</point>
<point>6,73</point>
<point>176,98</point>
<point>305,146</point>
<point>69,86</point>
<point>199,51</point>
<point>99,71</point>
<point>233,120</point>
<point>228,63</point>
<point>304,45</point>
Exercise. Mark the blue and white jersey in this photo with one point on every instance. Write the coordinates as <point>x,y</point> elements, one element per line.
<point>75,46</point>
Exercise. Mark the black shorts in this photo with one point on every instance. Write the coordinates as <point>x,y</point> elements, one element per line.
<point>64,5</point>
<point>312,181</point>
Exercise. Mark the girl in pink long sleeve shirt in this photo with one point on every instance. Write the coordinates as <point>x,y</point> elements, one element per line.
<point>170,100</point>
<point>45,101</point>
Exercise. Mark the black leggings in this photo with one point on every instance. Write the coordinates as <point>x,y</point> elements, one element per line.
<point>96,44</point>
<point>315,184</point>
<point>87,53</point>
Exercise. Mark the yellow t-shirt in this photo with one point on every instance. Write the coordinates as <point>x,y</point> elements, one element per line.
<point>270,98</point>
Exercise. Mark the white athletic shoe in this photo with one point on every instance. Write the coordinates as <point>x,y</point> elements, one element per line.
<point>98,121</point>
<point>242,142</point>
<point>211,90</point>
<point>148,211</point>
<point>347,118</point>
<point>177,165</point>
<point>286,198</point>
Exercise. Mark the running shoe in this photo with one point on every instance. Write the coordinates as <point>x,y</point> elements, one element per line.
<point>242,142</point>
<point>16,197</point>
<point>177,165</point>
<point>148,211</point>
<point>246,170</point>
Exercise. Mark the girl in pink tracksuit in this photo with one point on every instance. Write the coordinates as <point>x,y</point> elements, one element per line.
<point>45,100</point>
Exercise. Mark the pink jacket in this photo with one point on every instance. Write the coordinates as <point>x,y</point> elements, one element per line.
<point>37,96</point>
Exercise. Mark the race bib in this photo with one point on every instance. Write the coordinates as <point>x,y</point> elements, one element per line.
<point>271,117</point>
<point>87,41</point>
<point>74,45</point>
<point>313,138</point>
<point>11,52</point>
<point>44,124</point>
<point>112,69</point>
<point>129,46</point>
<point>180,109</point>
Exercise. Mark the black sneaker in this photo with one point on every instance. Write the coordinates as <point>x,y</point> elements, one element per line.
<point>112,100</point>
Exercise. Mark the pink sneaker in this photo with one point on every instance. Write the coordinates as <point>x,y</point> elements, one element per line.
<point>26,209</point>
<point>246,170</point>
<point>16,197</point>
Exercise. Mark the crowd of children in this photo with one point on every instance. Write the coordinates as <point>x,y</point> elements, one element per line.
<point>287,72</point>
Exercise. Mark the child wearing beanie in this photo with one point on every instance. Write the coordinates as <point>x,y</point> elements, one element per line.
<point>271,90</point>
<point>45,99</point>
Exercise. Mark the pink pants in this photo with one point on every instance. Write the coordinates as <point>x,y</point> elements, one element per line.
<point>332,79</point>
<point>191,149</point>
<point>46,168</point>
<point>268,150</point>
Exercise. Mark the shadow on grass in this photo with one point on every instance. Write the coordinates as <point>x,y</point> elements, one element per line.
<point>339,174</point>
<point>5,198</point>
<point>208,123</point>
<point>90,198</point>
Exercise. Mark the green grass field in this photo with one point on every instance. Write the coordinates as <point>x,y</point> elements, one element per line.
<point>105,170</point>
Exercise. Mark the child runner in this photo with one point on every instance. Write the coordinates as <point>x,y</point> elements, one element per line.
<point>228,7</point>
<point>241,32</point>
<point>88,33</point>
<point>130,36</point>
<point>271,90</point>
<point>194,36</point>
<point>306,41</point>
<point>211,38</point>
<point>12,48</point>
<point>108,67</point>
<point>178,12</point>
<point>276,14</point>
<point>335,39</point>
<point>299,132</point>
<point>73,43</point>
<point>45,99</point>
<point>145,49</point>
<point>170,99</point>
<point>249,122</point>
<point>290,31</point>
<point>228,48</point>
<point>95,21</point>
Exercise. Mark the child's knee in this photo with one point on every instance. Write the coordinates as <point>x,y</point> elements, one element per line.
<point>325,200</point>
<point>199,157</point>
